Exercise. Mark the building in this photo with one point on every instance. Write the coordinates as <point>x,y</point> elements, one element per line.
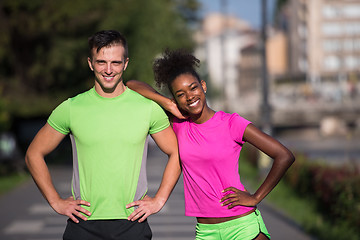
<point>324,43</point>
<point>220,41</point>
<point>313,58</point>
<point>231,50</point>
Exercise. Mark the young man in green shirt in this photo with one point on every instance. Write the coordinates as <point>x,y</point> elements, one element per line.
<point>108,126</point>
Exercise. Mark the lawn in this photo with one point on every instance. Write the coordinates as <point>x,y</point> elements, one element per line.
<point>8,182</point>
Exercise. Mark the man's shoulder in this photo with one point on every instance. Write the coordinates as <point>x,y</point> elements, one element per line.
<point>140,98</point>
<point>68,103</point>
<point>134,94</point>
<point>80,98</point>
<point>81,95</point>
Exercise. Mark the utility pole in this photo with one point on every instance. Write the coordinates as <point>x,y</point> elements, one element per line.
<point>264,161</point>
<point>223,54</point>
<point>265,106</point>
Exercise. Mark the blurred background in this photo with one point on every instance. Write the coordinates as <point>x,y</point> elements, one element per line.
<point>289,66</point>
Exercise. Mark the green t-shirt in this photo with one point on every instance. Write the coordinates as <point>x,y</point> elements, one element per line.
<point>109,148</point>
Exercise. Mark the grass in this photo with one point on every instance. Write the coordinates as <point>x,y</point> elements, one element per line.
<point>301,209</point>
<point>282,197</point>
<point>8,182</point>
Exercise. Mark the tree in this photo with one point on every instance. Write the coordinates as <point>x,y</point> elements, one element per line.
<point>43,45</point>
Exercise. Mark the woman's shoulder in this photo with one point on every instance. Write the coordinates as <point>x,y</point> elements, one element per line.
<point>176,120</point>
<point>232,117</point>
<point>226,115</point>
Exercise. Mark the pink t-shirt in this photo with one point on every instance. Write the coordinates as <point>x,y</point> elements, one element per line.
<point>209,154</point>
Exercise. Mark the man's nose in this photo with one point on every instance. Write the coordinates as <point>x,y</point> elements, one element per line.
<point>108,69</point>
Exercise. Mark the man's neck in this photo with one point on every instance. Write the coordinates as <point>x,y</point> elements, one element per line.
<point>110,93</point>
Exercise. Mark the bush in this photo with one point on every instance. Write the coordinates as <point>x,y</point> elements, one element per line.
<point>336,192</point>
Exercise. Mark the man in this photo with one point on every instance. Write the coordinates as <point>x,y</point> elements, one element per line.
<point>108,126</point>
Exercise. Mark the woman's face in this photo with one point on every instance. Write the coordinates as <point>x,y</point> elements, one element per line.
<point>189,94</point>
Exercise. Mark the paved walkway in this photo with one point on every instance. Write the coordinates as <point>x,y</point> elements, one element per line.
<point>170,223</point>
<point>25,214</point>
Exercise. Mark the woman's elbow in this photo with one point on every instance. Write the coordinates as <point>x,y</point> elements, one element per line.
<point>290,158</point>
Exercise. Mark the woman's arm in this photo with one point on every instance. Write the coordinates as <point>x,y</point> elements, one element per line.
<point>149,92</point>
<point>282,157</point>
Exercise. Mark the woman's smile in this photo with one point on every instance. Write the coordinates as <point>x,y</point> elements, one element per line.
<point>194,104</point>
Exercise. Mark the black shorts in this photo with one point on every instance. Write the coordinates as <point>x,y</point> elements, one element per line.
<point>121,229</point>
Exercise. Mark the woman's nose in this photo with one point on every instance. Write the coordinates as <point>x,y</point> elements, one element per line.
<point>189,96</point>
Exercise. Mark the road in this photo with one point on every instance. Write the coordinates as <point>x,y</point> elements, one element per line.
<point>26,215</point>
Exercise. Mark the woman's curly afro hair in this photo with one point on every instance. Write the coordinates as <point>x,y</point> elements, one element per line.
<point>172,64</point>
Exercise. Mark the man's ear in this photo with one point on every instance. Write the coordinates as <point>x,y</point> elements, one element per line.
<point>90,64</point>
<point>126,63</point>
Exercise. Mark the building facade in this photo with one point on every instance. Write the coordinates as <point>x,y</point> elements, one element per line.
<point>324,38</point>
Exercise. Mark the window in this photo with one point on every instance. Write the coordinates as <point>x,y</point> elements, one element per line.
<point>332,63</point>
<point>348,11</point>
<point>302,31</point>
<point>352,29</point>
<point>302,64</point>
<point>332,46</point>
<point>332,29</point>
<point>351,62</point>
<point>330,11</point>
<point>351,11</point>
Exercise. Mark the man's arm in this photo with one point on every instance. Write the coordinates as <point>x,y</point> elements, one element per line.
<point>45,141</point>
<point>149,92</point>
<point>167,142</point>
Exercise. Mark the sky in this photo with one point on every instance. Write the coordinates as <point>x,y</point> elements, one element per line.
<point>248,10</point>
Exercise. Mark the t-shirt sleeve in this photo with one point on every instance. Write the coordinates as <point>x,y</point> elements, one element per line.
<point>237,125</point>
<point>59,119</point>
<point>158,120</point>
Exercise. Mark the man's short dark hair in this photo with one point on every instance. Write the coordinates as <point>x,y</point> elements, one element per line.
<point>107,38</point>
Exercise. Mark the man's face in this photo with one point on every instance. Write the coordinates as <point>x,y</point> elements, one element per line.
<point>108,65</point>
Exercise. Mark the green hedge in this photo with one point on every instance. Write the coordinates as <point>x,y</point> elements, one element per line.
<point>336,192</point>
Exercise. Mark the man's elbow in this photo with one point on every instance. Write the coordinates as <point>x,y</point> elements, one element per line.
<point>30,158</point>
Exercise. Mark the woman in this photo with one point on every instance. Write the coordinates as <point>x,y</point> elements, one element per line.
<point>210,143</point>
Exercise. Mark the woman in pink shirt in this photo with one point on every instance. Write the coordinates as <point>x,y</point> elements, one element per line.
<point>209,144</point>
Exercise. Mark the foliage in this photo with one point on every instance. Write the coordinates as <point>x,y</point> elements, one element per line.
<point>43,44</point>
<point>323,199</point>
<point>4,116</point>
<point>8,182</point>
<point>335,191</point>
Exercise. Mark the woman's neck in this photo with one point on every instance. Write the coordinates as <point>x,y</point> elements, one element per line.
<point>204,116</point>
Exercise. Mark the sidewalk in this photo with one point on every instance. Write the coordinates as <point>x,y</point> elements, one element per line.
<point>27,216</point>
<point>171,223</point>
